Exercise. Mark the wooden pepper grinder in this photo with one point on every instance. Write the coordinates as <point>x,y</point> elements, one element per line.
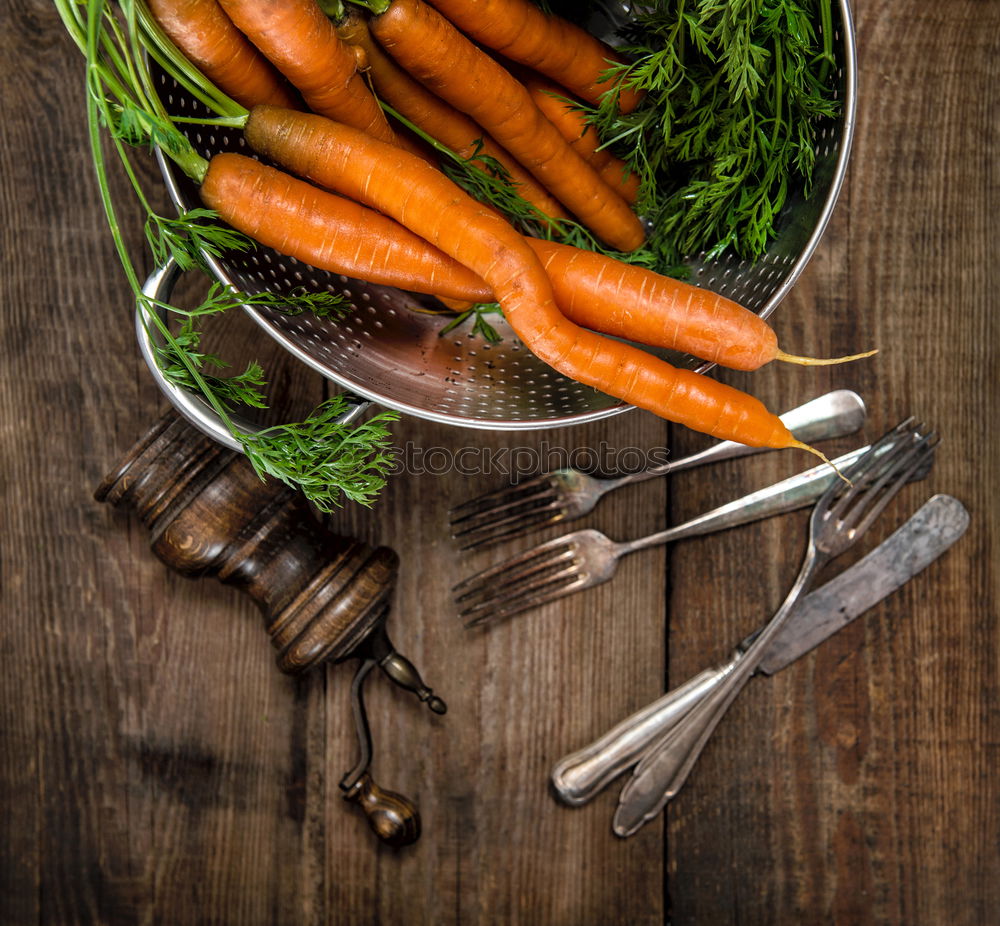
<point>323,596</point>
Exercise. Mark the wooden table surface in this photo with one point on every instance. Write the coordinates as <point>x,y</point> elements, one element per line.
<point>155,767</point>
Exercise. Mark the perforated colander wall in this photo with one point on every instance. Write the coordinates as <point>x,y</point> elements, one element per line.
<point>390,352</point>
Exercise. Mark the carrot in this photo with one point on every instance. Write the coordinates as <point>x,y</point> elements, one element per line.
<point>628,301</point>
<point>456,306</point>
<point>301,42</point>
<point>549,44</point>
<point>431,49</point>
<point>581,136</point>
<point>325,230</point>
<point>209,40</point>
<point>592,290</point>
<point>442,122</point>
<point>597,292</point>
<point>408,189</point>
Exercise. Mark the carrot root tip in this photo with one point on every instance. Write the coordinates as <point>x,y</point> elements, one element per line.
<point>821,362</point>
<point>823,457</point>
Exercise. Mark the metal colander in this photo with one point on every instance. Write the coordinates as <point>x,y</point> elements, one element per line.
<point>386,352</point>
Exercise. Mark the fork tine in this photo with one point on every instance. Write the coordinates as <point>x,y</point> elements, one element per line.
<point>482,519</point>
<point>555,571</point>
<point>514,579</point>
<point>840,492</point>
<point>487,500</point>
<point>880,480</point>
<point>563,583</point>
<point>532,557</point>
<point>485,596</point>
<point>501,504</point>
<point>486,516</point>
<point>515,525</point>
<point>875,500</point>
<point>850,508</point>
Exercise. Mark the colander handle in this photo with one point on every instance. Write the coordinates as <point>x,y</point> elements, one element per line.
<point>158,287</point>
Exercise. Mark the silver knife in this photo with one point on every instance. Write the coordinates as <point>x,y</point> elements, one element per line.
<point>923,538</point>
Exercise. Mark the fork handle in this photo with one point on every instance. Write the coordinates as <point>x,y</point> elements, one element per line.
<point>790,494</point>
<point>665,768</point>
<point>580,776</point>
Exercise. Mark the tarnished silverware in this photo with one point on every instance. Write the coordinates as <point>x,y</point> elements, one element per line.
<point>938,523</point>
<point>839,519</point>
<point>586,558</point>
<point>566,494</point>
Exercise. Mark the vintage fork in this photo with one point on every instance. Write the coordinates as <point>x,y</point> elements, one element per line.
<point>585,558</point>
<point>565,494</point>
<point>838,520</point>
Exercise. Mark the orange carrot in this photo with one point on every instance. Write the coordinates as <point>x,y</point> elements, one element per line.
<point>581,136</point>
<point>442,122</point>
<point>597,292</point>
<point>432,50</point>
<point>327,231</point>
<point>208,38</point>
<point>409,190</point>
<point>456,306</point>
<point>549,44</point>
<point>301,42</point>
<point>628,301</point>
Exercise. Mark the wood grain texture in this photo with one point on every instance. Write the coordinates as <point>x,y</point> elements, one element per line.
<point>155,767</point>
<point>850,788</point>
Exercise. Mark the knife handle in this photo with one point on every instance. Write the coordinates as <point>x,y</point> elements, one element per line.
<point>578,777</point>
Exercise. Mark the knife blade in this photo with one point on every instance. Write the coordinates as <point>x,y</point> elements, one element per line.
<point>939,522</point>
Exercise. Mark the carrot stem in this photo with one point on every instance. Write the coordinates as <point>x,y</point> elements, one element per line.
<point>333,8</point>
<point>162,49</point>
<point>377,7</point>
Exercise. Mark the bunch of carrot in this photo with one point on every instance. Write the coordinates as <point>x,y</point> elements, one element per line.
<point>369,200</point>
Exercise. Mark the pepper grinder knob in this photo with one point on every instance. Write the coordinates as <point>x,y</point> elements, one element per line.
<point>392,817</point>
<point>404,673</point>
<point>399,669</point>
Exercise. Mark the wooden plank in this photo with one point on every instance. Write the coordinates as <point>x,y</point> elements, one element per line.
<point>496,846</point>
<point>155,767</point>
<point>149,748</point>
<point>848,786</point>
